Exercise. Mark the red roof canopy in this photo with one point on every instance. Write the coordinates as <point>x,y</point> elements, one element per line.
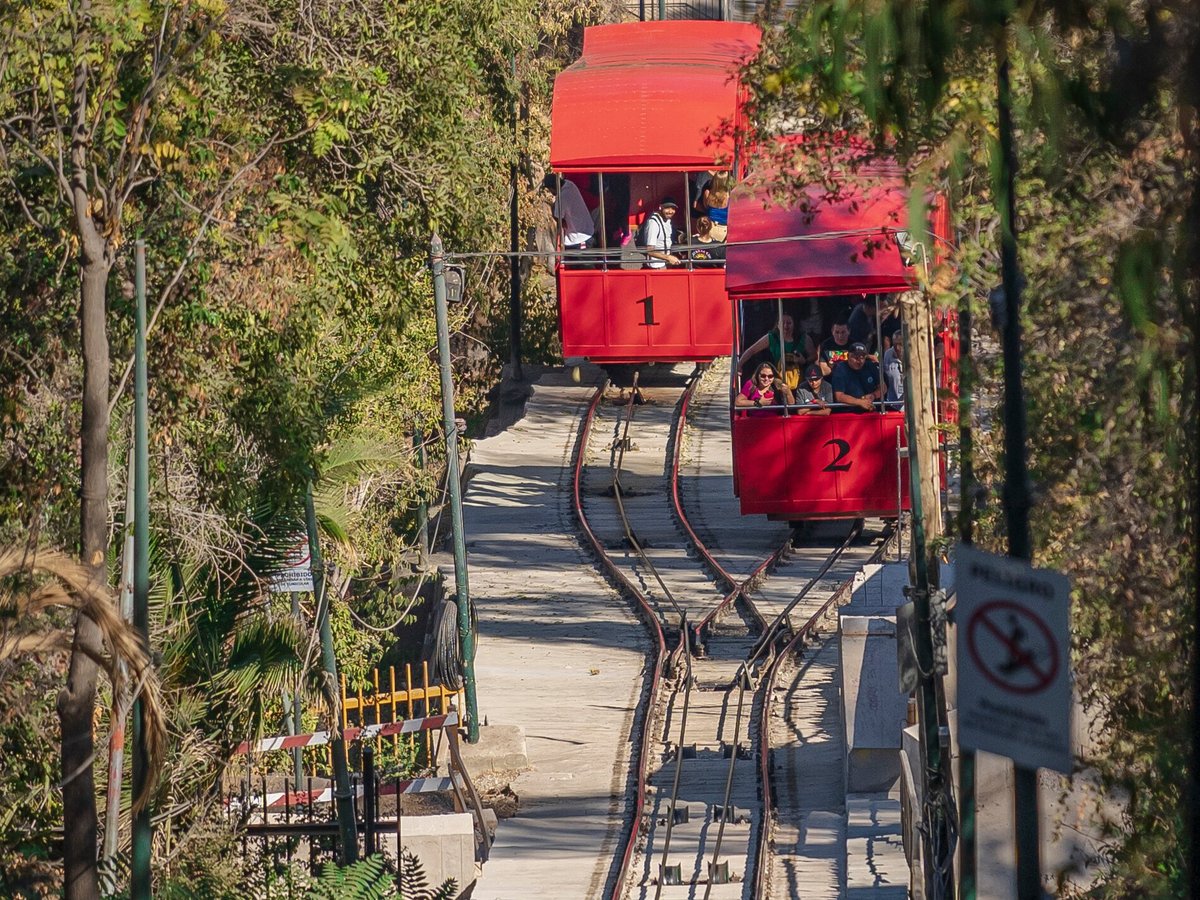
<point>842,244</point>
<point>649,95</point>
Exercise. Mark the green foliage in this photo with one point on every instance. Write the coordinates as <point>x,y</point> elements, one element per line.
<point>414,884</point>
<point>367,879</point>
<point>29,796</point>
<point>285,168</point>
<point>373,879</point>
<point>1106,204</point>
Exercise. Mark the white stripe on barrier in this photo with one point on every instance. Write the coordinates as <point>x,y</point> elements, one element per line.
<point>369,732</point>
<point>275,799</point>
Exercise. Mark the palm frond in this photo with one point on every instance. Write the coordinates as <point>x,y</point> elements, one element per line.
<point>32,582</point>
<point>348,457</point>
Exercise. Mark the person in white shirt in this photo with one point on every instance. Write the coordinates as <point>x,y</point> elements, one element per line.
<point>658,234</point>
<point>893,368</point>
<point>571,213</point>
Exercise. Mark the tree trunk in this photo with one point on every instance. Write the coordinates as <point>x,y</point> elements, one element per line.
<point>77,700</point>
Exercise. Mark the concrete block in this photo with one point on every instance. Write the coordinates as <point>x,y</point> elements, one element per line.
<point>501,748</point>
<point>445,845</point>
<point>874,709</point>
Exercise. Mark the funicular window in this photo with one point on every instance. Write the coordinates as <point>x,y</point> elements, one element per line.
<point>653,220</point>
<point>806,339</point>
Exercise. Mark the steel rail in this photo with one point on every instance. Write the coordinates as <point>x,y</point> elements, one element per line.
<point>654,672</point>
<point>768,637</point>
<point>685,648</point>
<point>767,686</point>
<point>726,809</point>
<point>618,490</point>
<point>738,590</point>
<point>735,588</point>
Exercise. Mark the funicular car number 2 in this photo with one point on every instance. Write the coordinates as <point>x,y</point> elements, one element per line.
<point>843,451</point>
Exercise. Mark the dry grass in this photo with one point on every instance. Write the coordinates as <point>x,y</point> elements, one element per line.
<point>32,584</point>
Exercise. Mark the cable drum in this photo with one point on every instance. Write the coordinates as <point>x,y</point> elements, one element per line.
<point>447,662</point>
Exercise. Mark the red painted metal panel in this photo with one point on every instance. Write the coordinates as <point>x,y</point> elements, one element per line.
<point>847,244</point>
<point>813,467</point>
<point>649,95</point>
<point>644,315</point>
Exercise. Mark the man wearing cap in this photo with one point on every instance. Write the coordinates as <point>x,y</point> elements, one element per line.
<point>658,233</point>
<point>856,381</point>
<point>815,394</point>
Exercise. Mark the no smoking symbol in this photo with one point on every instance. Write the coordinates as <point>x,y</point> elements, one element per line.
<point>1012,647</point>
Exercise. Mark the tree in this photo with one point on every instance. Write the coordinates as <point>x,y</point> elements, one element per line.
<point>79,94</point>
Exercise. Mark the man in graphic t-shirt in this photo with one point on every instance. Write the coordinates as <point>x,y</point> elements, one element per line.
<point>834,349</point>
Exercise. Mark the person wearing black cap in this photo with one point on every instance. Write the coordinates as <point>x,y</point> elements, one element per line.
<point>658,234</point>
<point>815,394</point>
<point>856,380</point>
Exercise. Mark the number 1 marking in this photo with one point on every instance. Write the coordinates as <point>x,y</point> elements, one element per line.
<point>648,302</point>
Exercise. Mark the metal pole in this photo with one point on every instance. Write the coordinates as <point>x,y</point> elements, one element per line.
<point>938,858</point>
<point>422,503</point>
<point>662,9</point>
<point>140,881</point>
<point>342,795</point>
<point>514,240</point>
<point>370,810</point>
<point>116,740</point>
<point>466,636</point>
<point>297,718</point>
<point>1016,487</point>
<point>966,469</point>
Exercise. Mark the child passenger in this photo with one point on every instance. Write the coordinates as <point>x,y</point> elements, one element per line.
<point>815,395</point>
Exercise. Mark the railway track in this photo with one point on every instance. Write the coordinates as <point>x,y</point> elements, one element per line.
<point>722,618</point>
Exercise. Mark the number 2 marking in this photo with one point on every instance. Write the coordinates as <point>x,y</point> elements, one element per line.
<point>648,302</point>
<point>843,449</point>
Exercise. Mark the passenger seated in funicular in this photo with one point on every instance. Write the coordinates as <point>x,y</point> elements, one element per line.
<point>856,381</point>
<point>705,251</point>
<point>573,217</point>
<point>815,394</point>
<point>836,348</point>
<point>893,371</point>
<point>794,354</point>
<point>866,320</point>
<point>764,389</point>
<point>659,236</point>
<point>718,207</point>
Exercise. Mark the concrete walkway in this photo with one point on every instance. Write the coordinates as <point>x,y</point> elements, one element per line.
<point>560,657</point>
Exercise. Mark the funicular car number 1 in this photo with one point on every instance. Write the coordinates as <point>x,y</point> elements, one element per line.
<point>648,304</point>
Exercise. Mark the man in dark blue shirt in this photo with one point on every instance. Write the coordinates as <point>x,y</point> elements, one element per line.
<point>856,381</point>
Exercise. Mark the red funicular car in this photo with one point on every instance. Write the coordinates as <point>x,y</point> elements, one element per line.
<point>814,260</point>
<point>638,118</point>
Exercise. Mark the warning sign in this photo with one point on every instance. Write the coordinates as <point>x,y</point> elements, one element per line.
<point>295,570</point>
<point>1014,688</point>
